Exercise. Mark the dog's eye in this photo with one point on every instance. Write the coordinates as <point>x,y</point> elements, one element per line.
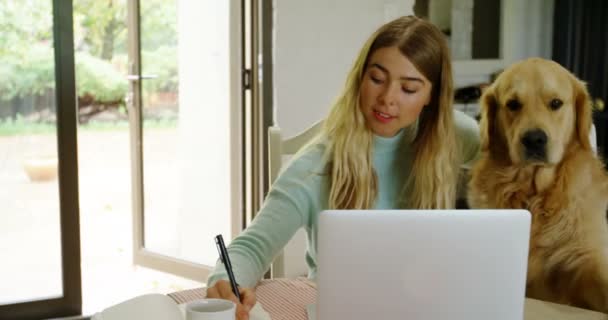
<point>513,104</point>
<point>555,104</point>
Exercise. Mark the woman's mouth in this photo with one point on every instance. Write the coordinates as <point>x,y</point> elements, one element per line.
<point>383,117</point>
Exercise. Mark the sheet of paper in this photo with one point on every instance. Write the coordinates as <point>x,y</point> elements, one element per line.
<point>256,313</point>
<point>153,306</point>
<point>311,310</point>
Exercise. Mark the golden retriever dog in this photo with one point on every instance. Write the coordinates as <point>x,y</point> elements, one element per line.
<point>536,155</point>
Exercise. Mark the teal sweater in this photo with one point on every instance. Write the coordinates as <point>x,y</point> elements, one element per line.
<point>301,192</point>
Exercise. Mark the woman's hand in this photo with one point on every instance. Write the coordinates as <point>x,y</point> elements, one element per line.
<point>223,290</point>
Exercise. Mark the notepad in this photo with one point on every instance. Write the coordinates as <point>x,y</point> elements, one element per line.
<point>159,307</point>
<point>311,310</point>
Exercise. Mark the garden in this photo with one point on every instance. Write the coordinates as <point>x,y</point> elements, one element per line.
<point>27,99</point>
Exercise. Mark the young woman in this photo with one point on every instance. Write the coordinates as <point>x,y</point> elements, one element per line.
<point>392,140</point>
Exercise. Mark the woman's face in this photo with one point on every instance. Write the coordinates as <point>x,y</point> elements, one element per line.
<point>393,92</point>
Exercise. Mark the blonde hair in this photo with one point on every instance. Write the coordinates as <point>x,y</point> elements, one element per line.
<point>432,182</point>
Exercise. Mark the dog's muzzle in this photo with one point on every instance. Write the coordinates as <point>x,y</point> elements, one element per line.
<point>535,144</point>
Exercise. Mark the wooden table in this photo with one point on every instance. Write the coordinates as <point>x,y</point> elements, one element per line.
<point>286,299</point>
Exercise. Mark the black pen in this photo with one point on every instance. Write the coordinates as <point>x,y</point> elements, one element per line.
<point>221,248</point>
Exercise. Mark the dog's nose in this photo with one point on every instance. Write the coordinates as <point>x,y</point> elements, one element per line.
<point>534,139</point>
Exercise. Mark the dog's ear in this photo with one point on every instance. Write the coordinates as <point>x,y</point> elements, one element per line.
<point>582,110</point>
<point>487,123</point>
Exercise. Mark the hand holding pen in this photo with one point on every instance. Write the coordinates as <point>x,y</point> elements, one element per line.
<point>221,249</point>
<point>243,297</point>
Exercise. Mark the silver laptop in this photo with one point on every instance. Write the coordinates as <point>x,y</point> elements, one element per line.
<point>422,265</point>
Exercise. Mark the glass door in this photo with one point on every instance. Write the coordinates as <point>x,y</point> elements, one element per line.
<point>184,106</point>
<point>39,233</point>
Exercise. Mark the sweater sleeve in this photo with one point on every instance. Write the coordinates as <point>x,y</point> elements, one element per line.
<point>286,209</point>
<point>467,131</point>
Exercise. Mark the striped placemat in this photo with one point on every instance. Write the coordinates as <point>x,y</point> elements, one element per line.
<point>188,295</point>
<point>283,299</point>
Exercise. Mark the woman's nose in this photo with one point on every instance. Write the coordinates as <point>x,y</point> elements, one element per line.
<point>389,95</point>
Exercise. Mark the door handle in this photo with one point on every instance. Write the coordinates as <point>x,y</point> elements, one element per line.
<point>136,77</point>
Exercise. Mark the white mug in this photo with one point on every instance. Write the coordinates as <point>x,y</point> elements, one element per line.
<point>211,309</point>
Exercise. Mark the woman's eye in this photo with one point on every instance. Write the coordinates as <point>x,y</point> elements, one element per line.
<point>408,91</point>
<point>376,80</point>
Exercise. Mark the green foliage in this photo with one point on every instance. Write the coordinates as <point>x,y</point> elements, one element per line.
<point>161,63</point>
<point>96,21</point>
<point>20,126</point>
<point>23,23</point>
<point>98,78</point>
<point>158,24</point>
<point>34,73</point>
<point>31,73</point>
<point>100,34</point>
<point>25,41</point>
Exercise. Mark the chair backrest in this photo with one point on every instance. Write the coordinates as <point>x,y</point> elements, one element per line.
<point>290,263</point>
<point>279,147</point>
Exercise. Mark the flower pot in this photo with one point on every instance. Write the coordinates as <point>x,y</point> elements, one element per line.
<point>40,169</point>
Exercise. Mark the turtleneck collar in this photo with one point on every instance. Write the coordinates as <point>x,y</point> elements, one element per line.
<point>390,144</point>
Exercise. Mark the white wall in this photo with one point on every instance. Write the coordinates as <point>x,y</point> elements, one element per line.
<point>529,29</point>
<point>316,42</point>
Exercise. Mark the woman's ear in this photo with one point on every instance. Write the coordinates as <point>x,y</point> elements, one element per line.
<point>488,116</point>
<point>582,110</point>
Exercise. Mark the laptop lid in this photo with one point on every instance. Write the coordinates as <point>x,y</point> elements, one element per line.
<point>422,264</point>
